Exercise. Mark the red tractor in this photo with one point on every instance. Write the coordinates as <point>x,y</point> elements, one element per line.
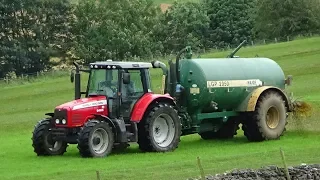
<point>118,108</point>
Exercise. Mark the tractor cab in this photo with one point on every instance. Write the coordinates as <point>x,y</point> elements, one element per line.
<point>122,83</point>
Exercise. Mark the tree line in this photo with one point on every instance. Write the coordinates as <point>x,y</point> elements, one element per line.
<point>33,32</point>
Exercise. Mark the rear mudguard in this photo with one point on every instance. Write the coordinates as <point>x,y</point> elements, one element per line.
<point>249,104</point>
<point>145,101</point>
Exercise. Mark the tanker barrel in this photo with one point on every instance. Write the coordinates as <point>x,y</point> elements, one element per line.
<point>236,50</point>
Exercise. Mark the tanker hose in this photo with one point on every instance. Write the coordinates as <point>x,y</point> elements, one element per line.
<point>177,64</point>
<point>158,64</point>
<point>77,67</point>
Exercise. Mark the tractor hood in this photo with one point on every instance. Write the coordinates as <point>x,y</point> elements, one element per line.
<point>84,103</point>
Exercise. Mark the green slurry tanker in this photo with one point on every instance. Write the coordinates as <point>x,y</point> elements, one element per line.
<point>210,97</point>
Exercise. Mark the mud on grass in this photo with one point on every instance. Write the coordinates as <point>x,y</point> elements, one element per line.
<point>270,172</point>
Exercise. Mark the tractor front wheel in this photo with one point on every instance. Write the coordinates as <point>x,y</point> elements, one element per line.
<point>42,140</point>
<point>268,121</point>
<point>160,129</point>
<point>96,139</point>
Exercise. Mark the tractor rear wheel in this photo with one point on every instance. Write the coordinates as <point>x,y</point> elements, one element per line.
<point>268,121</point>
<point>96,139</point>
<point>227,131</point>
<point>160,130</point>
<point>42,141</point>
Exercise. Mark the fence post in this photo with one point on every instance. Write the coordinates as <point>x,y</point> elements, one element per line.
<point>252,43</point>
<point>275,39</point>
<point>285,164</point>
<point>264,41</point>
<point>288,38</point>
<point>98,175</point>
<point>7,79</point>
<point>201,169</point>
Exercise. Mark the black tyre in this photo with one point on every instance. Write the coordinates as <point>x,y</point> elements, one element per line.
<point>96,139</point>
<point>227,131</point>
<point>268,121</point>
<point>42,141</point>
<point>160,130</point>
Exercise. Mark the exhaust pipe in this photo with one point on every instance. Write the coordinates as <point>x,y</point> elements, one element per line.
<point>77,82</point>
<point>158,64</point>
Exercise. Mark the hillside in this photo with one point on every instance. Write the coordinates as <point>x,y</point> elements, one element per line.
<point>23,105</point>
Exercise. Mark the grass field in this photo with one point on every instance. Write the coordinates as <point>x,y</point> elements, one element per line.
<point>23,105</point>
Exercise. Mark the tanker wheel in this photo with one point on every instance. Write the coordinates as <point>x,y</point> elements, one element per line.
<point>42,141</point>
<point>268,121</point>
<point>227,131</point>
<point>96,139</point>
<point>160,129</point>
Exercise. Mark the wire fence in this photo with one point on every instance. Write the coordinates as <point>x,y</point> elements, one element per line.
<point>32,77</point>
<point>259,42</point>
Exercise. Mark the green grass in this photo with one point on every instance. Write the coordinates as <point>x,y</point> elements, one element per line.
<point>23,105</point>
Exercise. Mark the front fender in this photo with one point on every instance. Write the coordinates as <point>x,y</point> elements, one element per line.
<point>249,104</point>
<point>118,125</point>
<point>49,114</point>
<point>143,103</point>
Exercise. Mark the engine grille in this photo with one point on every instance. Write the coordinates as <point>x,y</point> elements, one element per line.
<point>76,119</point>
<point>60,114</point>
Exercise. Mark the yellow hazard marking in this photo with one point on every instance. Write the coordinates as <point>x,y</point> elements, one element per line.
<point>255,96</point>
<point>163,83</point>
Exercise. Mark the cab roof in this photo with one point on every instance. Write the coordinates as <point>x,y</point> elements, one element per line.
<point>120,65</point>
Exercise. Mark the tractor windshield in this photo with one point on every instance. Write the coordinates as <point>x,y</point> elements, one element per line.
<point>103,82</point>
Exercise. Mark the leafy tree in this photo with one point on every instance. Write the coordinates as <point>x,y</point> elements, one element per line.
<point>112,29</point>
<point>32,31</point>
<point>285,18</point>
<point>185,23</point>
<point>230,21</point>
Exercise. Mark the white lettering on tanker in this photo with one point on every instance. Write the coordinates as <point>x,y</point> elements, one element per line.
<point>234,83</point>
<point>90,104</point>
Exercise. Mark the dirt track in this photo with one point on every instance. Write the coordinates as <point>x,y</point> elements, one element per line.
<point>303,172</point>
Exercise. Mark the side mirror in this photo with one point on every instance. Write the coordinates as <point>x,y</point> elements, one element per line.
<point>126,78</point>
<point>72,77</point>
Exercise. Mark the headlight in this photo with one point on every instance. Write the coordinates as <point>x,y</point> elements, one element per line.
<point>57,121</point>
<point>64,121</point>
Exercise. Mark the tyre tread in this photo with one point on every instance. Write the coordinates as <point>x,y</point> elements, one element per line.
<point>37,139</point>
<point>252,126</point>
<point>84,134</point>
<point>144,140</point>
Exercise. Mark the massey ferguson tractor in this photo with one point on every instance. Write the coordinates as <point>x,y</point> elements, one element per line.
<point>210,97</point>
